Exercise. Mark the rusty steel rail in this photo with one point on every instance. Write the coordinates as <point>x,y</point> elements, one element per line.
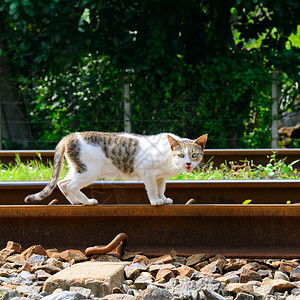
<point>267,228</point>
<point>232,230</point>
<point>133,192</point>
<point>257,156</point>
<point>8,156</point>
<point>218,156</point>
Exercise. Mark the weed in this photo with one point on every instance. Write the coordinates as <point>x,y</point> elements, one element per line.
<point>275,169</point>
<point>35,170</point>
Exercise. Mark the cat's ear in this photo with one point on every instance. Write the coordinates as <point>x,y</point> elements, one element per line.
<point>173,142</point>
<point>201,141</point>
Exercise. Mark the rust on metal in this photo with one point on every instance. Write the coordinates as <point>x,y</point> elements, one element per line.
<point>218,156</point>
<point>118,251</point>
<point>232,230</point>
<point>114,247</point>
<point>131,192</point>
<point>8,156</point>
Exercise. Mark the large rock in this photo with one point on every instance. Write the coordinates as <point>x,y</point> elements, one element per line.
<point>154,293</point>
<point>281,275</point>
<point>288,266</point>
<point>99,277</point>
<point>142,259</point>
<point>65,295</point>
<point>191,289</point>
<point>36,249</point>
<point>234,264</point>
<point>295,275</point>
<point>279,285</point>
<point>143,280</point>
<point>164,274</point>
<point>249,275</point>
<point>134,270</point>
<point>211,295</point>
<point>14,246</point>
<point>75,255</point>
<point>236,288</point>
<point>214,267</point>
<point>244,296</point>
<point>119,297</point>
<point>166,259</point>
<point>156,267</point>
<point>195,259</point>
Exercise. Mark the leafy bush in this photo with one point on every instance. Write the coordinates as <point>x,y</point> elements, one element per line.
<point>228,98</point>
<point>87,97</point>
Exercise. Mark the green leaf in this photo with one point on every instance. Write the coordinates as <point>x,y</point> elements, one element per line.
<point>14,5</point>
<point>28,11</point>
<point>286,170</point>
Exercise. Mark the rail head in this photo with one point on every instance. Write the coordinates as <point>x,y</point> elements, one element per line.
<point>272,183</point>
<point>172,211</point>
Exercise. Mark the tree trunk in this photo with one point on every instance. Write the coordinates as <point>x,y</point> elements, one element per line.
<point>14,126</point>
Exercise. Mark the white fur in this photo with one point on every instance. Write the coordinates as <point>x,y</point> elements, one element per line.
<point>153,164</point>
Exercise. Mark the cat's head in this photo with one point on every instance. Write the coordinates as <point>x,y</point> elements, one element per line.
<point>187,154</point>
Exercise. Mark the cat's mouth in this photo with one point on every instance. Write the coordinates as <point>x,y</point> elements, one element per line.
<point>188,169</point>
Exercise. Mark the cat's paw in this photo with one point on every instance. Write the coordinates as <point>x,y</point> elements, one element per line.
<point>168,201</point>
<point>92,202</point>
<point>157,202</point>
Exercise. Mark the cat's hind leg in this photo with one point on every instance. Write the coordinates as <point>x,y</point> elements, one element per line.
<point>71,188</point>
<point>63,186</point>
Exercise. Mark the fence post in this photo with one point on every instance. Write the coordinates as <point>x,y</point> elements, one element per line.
<point>127,104</point>
<point>275,95</point>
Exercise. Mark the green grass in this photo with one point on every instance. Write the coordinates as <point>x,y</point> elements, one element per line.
<point>275,169</point>
<point>35,170</point>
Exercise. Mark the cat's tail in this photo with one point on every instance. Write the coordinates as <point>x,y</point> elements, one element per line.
<point>57,166</point>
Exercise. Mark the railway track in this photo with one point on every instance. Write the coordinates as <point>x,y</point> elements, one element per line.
<point>217,224</point>
<point>232,230</point>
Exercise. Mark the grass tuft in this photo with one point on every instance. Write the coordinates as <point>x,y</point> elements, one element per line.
<point>35,170</point>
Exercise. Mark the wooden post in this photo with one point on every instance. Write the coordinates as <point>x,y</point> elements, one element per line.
<point>127,104</point>
<point>275,95</point>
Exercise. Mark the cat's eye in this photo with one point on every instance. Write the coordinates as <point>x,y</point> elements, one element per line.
<point>194,155</point>
<point>181,155</point>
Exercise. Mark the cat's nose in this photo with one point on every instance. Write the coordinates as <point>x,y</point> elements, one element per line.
<point>188,164</point>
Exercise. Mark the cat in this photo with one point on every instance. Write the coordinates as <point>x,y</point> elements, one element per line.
<point>92,155</point>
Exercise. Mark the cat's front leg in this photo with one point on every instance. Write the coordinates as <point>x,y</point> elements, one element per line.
<point>161,185</point>
<point>152,191</point>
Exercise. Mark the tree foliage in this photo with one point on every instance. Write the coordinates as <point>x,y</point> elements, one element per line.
<point>194,66</point>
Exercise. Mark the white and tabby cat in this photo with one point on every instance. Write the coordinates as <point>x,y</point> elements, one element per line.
<point>92,155</point>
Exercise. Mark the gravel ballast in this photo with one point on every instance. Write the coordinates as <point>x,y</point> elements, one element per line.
<point>25,274</point>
